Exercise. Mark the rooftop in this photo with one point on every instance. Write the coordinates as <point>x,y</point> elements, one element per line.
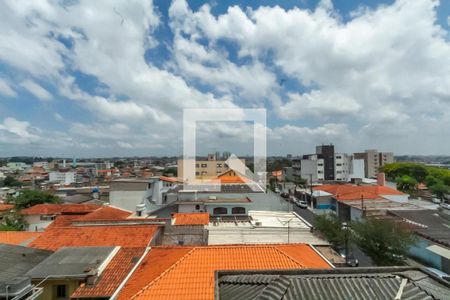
<point>58,209</point>
<point>125,236</point>
<point>113,275</point>
<point>105,213</point>
<point>5,207</point>
<point>262,227</point>
<point>354,192</point>
<point>188,272</point>
<point>22,238</point>
<point>191,219</point>
<point>406,283</point>
<point>431,224</point>
<point>73,262</point>
<point>230,188</point>
<point>17,260</point>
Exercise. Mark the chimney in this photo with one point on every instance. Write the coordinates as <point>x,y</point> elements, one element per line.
<point>381,179</point>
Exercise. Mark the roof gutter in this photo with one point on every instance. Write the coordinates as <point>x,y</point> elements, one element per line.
<point>120,287</point>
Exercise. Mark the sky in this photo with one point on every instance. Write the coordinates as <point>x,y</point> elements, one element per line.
<point>112,78</point>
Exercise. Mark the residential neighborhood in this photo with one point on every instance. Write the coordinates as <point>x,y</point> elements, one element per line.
<point>224,150</point>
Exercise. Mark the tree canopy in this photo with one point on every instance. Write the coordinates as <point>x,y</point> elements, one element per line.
<point>384,242</point>
<point>28,198</point>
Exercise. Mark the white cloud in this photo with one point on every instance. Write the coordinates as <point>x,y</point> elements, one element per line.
<point>17,132</point>
<point>386,70</point>
<point>36,90</point>
<point>5,89</point>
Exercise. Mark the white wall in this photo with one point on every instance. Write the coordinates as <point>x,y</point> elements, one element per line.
<point>35,223</point>
<point>357,168</point>
<point>396,198</point>
<point>127,199</point>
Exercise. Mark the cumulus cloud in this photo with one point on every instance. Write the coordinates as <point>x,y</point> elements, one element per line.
<point>378,78</point>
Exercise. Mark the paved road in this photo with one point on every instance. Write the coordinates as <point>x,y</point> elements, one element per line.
<point>305,214</point>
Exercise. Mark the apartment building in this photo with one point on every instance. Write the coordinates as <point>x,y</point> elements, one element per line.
<point>342,166</point>
<point>373,160</point>
<point>211,167</point>
<point>310,167</point>
<point>62,177</point>
<point>326,152</point>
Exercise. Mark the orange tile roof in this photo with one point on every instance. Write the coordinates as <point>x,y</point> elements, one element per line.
<point>191,218</point>
<point>113,275</point>
<point>354,192</point>
<point>105,213</point>
<point>57,209</point>
<point>154,264</point>
<point>192,275</point>
<point>169,179</point>
<point>22,238</point>
<point>63,221</point>
<point>5,207</point>
<point>124,236</point>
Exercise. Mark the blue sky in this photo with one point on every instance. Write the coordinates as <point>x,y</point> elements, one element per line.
<point>111,78</point>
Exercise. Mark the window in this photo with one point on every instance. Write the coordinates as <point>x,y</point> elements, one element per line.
<point>339,165</point>
<point>197,207</point>
<point>219,165</point>
<point>220,211</point>
<point>204,172</point>
<point>338,157</point>
<point>47,218</point>
<point>197,173</point>
<point>204,165</point>
<point>320,172</point>
<point>196,165</point>
<point>320,165</point>
<point>238,210</point>
<point>61,291</point>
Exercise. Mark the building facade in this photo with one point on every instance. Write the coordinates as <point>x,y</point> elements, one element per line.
<point>373,160</point>
<point>209,168</point>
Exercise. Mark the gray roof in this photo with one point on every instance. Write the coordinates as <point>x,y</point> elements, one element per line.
<point>341,283</point>
<point>434,226</point>
<point>238,188</point>
<point>73,262</point>
<point>15,261</point>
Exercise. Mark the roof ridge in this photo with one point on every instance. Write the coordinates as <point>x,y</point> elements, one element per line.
<point>163,273</point>
<point>290,257</point>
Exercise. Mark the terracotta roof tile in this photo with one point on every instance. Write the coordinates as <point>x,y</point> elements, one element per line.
<point>58,209</point>
<point>125,236</point>
<point>191,218</point>
<point>62,221</point>
<point>161,259</point>
<point>22,238</point>
<point>354,192</point>
<point>106,213</point>
<point>192,276</point>
<point>5,207</point>
<point>113,275</point>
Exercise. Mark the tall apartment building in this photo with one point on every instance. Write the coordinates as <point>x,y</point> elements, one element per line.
<point>310,167</point>
<point>373,160</point>
<point>342,166</point>
<point>211,167</point>
<point>326,152</point>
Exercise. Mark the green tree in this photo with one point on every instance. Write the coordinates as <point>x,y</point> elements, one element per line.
<point>386,243</point>
<point>10,181</point>
<point>406,183</point>
<point>440,189</point>
<point>28,198</point>
<point>170,171</point>
<point>331,228</point>
<point>13,221</point>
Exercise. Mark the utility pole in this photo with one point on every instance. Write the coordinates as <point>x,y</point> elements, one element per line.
<point>362,205</point>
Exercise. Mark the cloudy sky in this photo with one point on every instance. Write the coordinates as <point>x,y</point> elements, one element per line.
<point>111,78</point>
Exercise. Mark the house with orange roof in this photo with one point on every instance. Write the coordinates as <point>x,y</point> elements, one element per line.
<point>132,235</point>
<point>4,208</point>
<point>181,219</point>
<point>189,272</point>
<point>352,202</point>
<point>40,216</point>
<point>22,238</point>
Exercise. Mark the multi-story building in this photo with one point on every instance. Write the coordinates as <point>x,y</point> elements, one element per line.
<point>342,166</point>
<point>373,160</point>
<point>62,177</point>
<point>326,152</point>
<point>211,167</point>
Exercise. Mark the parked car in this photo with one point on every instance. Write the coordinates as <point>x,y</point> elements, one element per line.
<point>350,260</point>
<point>302,204</point>
<point>284,195</point>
